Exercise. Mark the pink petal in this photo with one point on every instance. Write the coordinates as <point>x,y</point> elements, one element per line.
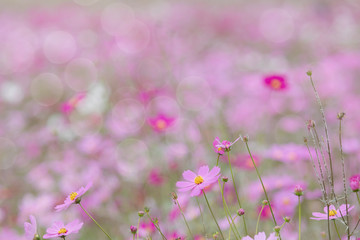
<point>203,171</point>
<point>196,191</point>
<point>189,175</point>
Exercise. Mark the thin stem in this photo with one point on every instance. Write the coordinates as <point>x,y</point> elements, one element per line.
<point>357,224</point>
<point>337,231</point>
<point>262,184</point>
<point>258,220</point>
<point>156,225</point>
<point>358,198</point>
<point>217,224</point>
<point>95,221</point>
<point>138,225</point>
<point>237,195</point>
<point>344,180</point>
<point>227,212</point>
<point>328,220</point>
<point>202,217</point>
<point>299,218</point>
<point>182,213</point>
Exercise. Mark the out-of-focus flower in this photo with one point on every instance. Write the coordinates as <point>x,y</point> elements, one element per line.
<point>355,183</point>
<point>298,191</point>
<point>155,177</point>
<point>59,229</point>
<point>72,197</point>
<point>333,213</point>
<point>276,82</point>
<point>69,106</point>
<point>261,236</point>
<point>198,182</point>
<point>133,229</point>
<point>31,229</point>
<point>244,161</point>
<point>221,147</point>
<point>288,153</point>
<point>161,123</point>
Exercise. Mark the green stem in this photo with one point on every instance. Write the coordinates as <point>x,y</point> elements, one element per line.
<point>299,218</point>
<point>262,184</point>
<point>202,217</point>
<point>207,202</point>
<point>227,212</point>
<point>138,225</point>
<point>358,198</point>
<point>337,231</point>
<point>237,195</point>
<point>182,213</point>
<point>157,226</point>
<point>258,220</point>
<point>95,221</point>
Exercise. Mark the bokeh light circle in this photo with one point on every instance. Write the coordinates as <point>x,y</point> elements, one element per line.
<point>133,37</point>
<point>193,93</point>
<point>114,16</point>
<point>8,152</point>
<point>133,158</point>
<point>47,89</point>
<point>80,74</point>
<point>129,113</point>
<point>59,47</point>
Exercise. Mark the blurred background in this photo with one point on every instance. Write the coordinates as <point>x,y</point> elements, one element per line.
<point>129,94</point>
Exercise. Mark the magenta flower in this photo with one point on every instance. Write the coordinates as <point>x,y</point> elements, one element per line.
<point>30,228</point>
<point>68,107</point>
<point>262,236</point>
<point>58,229</point>
<point>333,214</point>
<point>221,147</point>
<point>161,122</point>
<point>355,183</point>
<point>198,182</point>
<point>276,82</point>
<point>72,197</point>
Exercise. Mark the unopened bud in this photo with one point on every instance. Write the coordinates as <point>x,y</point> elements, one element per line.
<point>36,237</point>
<point>245,138</point>
<point>265,202</point>
<point>225,179</point>
<point>141,213</point>
<point>174,196</point>
<point>309,73</point>
<point>305,140</point>
<point>241,212</point>
<point>310,124</point>
<point>78,200</point>
<point>287,219</point>
<point>277,229</point>
<point>215,235</point>
<point>147,209</point>
<point>298,191</point>
<point>133,229</point>
<point>340,115</point>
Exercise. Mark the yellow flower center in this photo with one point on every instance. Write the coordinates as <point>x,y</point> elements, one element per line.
<point>73,196</point>
<point>275,83</point>
<point>219,148</point>
<point>198,180</point>
<point>332,213</point>
<point>161,124</point>
<point>62,231</point>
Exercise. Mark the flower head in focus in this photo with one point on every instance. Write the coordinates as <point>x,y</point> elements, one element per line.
<point>196,183</point>
<point>73,198</point>
<point>333,212</point>
<point>59,229</point>
<point>224,146</point>
<point>355,183</point>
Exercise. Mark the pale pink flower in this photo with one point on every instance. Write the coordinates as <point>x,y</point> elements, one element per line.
<point>262,236</point>
<point>72,197</point>
<point>196,183</point>
<point>59,229</point>
<point>333,213</point>
<point>30,228</point>
<point>276,82</point>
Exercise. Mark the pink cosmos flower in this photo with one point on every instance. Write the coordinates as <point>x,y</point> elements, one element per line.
<point>73,197</point>
<point>68,107</point>
<point>58,229</point>
<point>276,82</point>
<point>261,236</point>
<point>161,123</point>
<point>333,214</point>
<point>30,228</point>
<point>198,182</point>
<point>355,183</point>
<point>221,147</point>
<point>155,177</point>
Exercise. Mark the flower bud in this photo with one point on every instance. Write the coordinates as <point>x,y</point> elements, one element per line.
<point>78,200</point>
<point>277,229</point>
<point>141,213</point>
<point>245,138</point>
<point>36,237</point>
<point>340,115</point>
<point>133,229</point>
<point>309,73</point>
<point>146,209</point>
<point>225,179</point>
<point>265,202</point>
<point>216,235</point>
<point>355,183</point>
<point>298,191</point>
<point>174,196</point>
<point>287,219</point>
<point>310,124</point>
<point>241,212</point>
